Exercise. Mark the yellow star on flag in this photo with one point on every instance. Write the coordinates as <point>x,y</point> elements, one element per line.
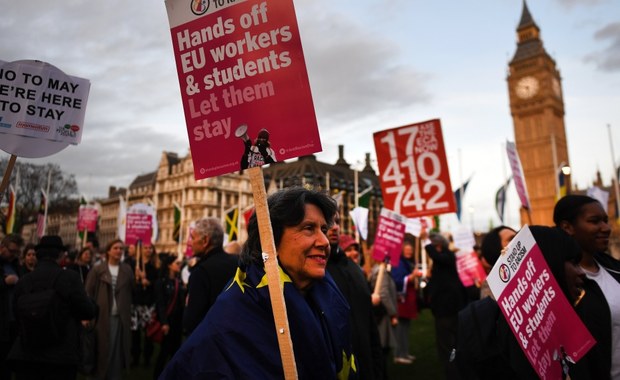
<point>283,278</point>
<point>239,280</point>
<point>348,364</point>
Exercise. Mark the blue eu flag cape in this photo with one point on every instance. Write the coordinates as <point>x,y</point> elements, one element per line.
<point>237,339</point>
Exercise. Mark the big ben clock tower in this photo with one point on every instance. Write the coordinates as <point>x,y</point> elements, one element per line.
<point>537,108</point>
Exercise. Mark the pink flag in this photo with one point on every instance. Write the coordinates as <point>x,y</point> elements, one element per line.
<point>517,173</point>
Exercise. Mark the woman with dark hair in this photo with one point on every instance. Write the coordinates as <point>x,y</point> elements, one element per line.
<point>169,303</point>
<point>28,260</point>
<point>585,220</point>
<point>143,303</point>
<point>238,337</point>
<point>487,348</point>
<point>562,256</point>
<point>82,263</point>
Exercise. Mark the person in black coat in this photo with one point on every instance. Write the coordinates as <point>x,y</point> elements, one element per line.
<point>58,358</point>
<point>447,298</point>
<point>214,269</point>
<point>351,281</point>
<point>169,303</point>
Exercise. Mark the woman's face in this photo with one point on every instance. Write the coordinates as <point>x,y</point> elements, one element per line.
<point>148,252</point>
<point>174,267</point>
<point>30,258</point>
<point>353,253</point>
<point>574,279</point>
<point>115,253</point>
<point>505,236</point>
<point>590,229</point>
<point>407,251</point>
<point>304,249</point>
<point>86,256</point>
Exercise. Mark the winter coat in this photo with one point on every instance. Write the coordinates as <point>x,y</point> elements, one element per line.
<point>99,287</point>
<point>355,288</point>
<point>207,280</point>
<point>388,307</point>
<point>75,306</point>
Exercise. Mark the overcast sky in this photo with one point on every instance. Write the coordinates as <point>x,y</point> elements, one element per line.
<point>373,65</point>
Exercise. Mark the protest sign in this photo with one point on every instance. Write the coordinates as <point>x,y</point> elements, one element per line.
<point>468,264</point>
<point>415,180</point>
<point>539,315</point>
<point>139,228</point>
<point>87,218</point>
<point>244,84</point>
<point>389,237</point>
<point>37,100</point>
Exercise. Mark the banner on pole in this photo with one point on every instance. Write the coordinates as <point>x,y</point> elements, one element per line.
<point>389,238</point>
<point>41,102</point>
<point>414,175</point>
<point>539,315</point>
<point>87,218</point>
<point>244,83</point>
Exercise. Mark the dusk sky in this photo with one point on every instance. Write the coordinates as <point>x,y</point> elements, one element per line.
<point>373,65</point>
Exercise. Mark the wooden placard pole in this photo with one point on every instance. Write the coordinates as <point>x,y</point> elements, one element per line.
<point>276,292</point>
<point>7,175</point>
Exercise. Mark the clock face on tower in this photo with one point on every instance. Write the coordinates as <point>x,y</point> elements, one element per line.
<point>527,87</point>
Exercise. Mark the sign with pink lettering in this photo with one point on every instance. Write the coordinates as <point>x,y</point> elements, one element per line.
<point>389,238</point>
<point>539,315</point>
<point>244,83</point>
<point>87,218</point>
<point>139,227</point>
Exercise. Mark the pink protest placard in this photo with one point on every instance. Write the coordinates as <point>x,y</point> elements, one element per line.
<point>139,227</point>
<point>469,268</point>
<point>244,83</point>
<point>87,219</point>
<point>539,315</point>
<point>389,237</point>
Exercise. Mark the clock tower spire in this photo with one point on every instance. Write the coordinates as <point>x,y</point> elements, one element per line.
<point>537,109</point>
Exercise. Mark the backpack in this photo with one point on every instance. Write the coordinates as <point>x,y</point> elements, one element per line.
<point>38,315</point>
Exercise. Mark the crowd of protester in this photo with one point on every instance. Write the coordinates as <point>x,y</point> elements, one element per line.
<point>348,314</point>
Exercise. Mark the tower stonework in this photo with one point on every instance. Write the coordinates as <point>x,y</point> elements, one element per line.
<point>537,109</point>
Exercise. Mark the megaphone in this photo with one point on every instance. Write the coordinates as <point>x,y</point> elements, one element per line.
<point>242,132</point>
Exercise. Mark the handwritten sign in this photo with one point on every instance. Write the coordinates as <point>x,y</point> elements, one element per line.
<point>389,237</point>
<point>244,83</point>
<point>539,315</point>
<point>415,180</point>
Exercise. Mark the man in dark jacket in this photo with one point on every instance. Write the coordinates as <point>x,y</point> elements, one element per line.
<point>210,274</point>
<point>56,358</point>
<point>351,281</point>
